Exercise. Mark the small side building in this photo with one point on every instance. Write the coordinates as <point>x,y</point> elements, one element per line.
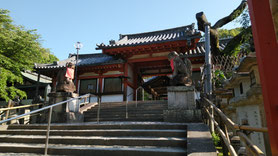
<point>32,87</point>
<point>246,106</point>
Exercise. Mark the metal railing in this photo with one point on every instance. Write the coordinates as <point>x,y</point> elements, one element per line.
<point>210,109</point>
<point>18,107</point>
<point>7,113</point>
<point>49,116</point>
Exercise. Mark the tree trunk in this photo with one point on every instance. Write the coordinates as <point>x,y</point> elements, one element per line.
<point>214,37</point>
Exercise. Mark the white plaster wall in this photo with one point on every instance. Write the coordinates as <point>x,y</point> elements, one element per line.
<point>112,98</point>
<point>252,114</point>
<point>129,91</point>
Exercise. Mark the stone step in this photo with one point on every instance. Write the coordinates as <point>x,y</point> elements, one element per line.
<point>104,138</point>
<point>101,132</point>
<point>124,119</point>
<point>104,125</point>
<point>133,104</point>
<point>138,102</point>
<point>105,113</point>
<point>20,154</point>
<point>122,114</point>
<point>124,109</point>
<point>158,119</point>
<point>97,140</point>
<point>130,107</point>
<point>92,150</point>
<point>87,107</point>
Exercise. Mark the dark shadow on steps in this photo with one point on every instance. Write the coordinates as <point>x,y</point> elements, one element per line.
<point>199,140</point>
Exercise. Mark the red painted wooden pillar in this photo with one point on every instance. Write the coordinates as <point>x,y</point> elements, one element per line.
<point>267,57</point>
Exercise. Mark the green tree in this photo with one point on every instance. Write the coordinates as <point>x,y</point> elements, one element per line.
<point>225,33</point>
<point>238,41</point>
<point>19,50</point>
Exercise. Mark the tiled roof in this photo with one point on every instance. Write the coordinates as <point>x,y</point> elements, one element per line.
<point>180,33</point>
<point>235,79</point>
<point>200,48</point>
<point>103,59</point>
<point>247,62</point>
<point>198,51</point>
<point>83,60</point>
<point>34,77</point>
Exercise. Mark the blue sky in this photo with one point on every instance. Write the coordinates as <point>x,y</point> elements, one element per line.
<point>61,23</point>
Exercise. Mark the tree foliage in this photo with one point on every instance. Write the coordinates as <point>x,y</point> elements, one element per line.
<point>241,39</point>
<point>218,78</point>
<point>225,33</point>
<point>244,19</point>
<point>19,50</point>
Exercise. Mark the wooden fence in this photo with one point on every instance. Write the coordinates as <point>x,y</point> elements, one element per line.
<point>212,112</point>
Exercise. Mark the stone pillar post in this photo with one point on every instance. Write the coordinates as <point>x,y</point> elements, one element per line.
<point>62,113</point>
<point>182,105</point>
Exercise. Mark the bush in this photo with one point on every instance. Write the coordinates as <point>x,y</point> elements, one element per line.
<point>216,139</point>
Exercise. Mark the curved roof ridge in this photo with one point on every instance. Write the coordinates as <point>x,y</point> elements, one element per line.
<point>91,54</point>
<point>170,30</point>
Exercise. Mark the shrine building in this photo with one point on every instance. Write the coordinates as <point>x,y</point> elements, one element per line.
<point>116,72</point>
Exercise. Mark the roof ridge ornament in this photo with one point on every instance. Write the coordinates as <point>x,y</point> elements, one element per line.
<point>112,42</point>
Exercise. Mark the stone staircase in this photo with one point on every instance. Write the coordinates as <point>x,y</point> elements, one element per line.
<point>103,139</point>
<point>141,134</point>
<point>116,111</point>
